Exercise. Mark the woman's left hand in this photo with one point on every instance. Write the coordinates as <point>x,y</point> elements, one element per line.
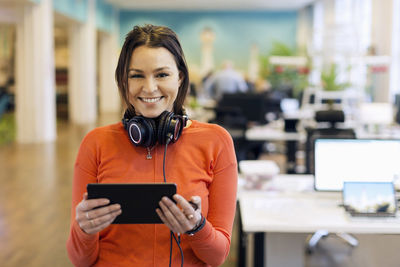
<point>180,217</point>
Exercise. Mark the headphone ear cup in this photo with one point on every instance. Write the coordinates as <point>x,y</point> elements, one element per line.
<point>163,124</point>
<point>142,131</point>
<point>151,137</point>
<point>170,126</point>
<point>177,125</point>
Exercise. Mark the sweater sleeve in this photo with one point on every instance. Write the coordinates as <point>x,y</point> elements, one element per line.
<point>212,243</point>
<point>83,248</point>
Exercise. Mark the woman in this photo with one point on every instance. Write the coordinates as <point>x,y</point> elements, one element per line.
<point>152,77</point>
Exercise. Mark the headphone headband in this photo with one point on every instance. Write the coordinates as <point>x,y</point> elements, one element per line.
<point>147,132</point>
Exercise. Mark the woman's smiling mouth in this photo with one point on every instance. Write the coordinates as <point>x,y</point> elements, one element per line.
<point>150,100</point>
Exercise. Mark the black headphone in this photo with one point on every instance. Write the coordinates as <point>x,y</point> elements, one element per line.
<point>147,132</point>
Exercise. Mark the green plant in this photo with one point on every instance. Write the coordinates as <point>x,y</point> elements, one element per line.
<point>7,128</point>
<point>329,79</point>
<point>192,102</point>
<point>284,76</point>
<point>281,49</point>
<point>278,49</point>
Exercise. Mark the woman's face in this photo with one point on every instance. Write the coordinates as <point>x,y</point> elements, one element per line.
<point>153,81</point>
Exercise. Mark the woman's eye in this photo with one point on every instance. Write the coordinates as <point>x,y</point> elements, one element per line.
<point>162,75</point>
<point>135,76</point>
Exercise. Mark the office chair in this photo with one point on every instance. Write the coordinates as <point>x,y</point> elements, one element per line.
<point>312,242</point>
<point>234,112</point>
<point>330,117</point>
<point>233,120</point>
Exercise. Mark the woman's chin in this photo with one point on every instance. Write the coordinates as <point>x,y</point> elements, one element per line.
<point>152,114</point>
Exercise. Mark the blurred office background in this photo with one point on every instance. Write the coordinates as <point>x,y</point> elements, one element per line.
<point>297,57</point>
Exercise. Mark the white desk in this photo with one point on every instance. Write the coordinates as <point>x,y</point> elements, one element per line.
<point>389,133</point>
<point>267,133</point>
<point>288,217</point>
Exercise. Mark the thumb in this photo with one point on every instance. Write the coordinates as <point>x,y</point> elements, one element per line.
<point>196,200</point>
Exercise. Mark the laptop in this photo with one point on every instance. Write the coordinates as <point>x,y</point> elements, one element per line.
<point>340,160</point>
<point>370,199</point>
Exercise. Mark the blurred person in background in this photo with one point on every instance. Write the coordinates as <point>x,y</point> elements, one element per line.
<point>227,80</point>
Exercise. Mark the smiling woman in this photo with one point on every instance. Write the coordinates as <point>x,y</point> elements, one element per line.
<point>153,81</point>
<point>155,61</point>
<point>152,78</point>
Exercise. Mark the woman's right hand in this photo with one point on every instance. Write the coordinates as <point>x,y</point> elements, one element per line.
<point>93,219</point>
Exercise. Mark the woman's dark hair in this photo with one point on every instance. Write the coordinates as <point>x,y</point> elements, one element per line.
<point>151,36</point>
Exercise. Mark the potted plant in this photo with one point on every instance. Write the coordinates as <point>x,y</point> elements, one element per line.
<point>284,76</point>
<point>329,80</point>
<point>332,89</point>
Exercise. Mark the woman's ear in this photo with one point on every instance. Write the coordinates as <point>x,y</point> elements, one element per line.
<point>181,77</point>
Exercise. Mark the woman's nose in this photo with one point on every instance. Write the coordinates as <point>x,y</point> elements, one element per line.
<point>150,85</point>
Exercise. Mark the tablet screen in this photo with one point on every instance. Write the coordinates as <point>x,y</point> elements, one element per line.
<point>138,201</point>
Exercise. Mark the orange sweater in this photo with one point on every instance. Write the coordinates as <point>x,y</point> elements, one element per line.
<point>202,162</point>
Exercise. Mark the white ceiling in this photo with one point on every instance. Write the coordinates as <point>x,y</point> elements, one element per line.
<point>210,4</point>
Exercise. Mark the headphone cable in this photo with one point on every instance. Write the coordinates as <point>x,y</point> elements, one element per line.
<point>165,156</point>
<point>178,241</point>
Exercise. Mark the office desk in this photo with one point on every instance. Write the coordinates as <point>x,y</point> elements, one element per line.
<point>389,133</point>
<point>267,133</point>
<point>287,217</point>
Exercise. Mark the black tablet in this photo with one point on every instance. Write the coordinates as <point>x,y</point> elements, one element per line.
<point>138,201</point>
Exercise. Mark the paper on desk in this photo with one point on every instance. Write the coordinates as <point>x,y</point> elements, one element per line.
<point>281,210</point>
<point>297,184</point>
<point>267,168</point>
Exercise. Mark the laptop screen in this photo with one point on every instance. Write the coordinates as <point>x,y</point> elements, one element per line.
<point>339,160</point>
<point>369,197</point>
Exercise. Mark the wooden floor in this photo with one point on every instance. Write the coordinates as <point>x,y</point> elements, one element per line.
<point>35,197</point>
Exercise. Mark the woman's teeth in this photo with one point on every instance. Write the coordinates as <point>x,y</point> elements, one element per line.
<point>151,100</point>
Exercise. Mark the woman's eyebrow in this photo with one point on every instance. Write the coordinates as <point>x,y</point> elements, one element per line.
<point>162,68</point>
<point>157,69</point>
<point>133,69</point>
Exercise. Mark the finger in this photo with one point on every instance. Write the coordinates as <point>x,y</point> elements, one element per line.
<point>165,221</point>
<point>89,204</point>
<point>98,228</point>
<point>99,212</point>
<point>105,218</point>
<point>194,205</point>
<point>95,213</point>
<point>188,209</point>
<point>196,200</point>
<point>172,219</point>
<point>86,225</point>
<point>175,210</point>
<point>178,219</point>
<point>170,211</point>
<point>78,207</point>
<point>102,226</point>
<point>98,224</point>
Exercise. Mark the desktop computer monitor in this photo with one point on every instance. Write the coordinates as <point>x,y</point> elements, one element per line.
<point>340,160</point>
<point>251,105</point>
